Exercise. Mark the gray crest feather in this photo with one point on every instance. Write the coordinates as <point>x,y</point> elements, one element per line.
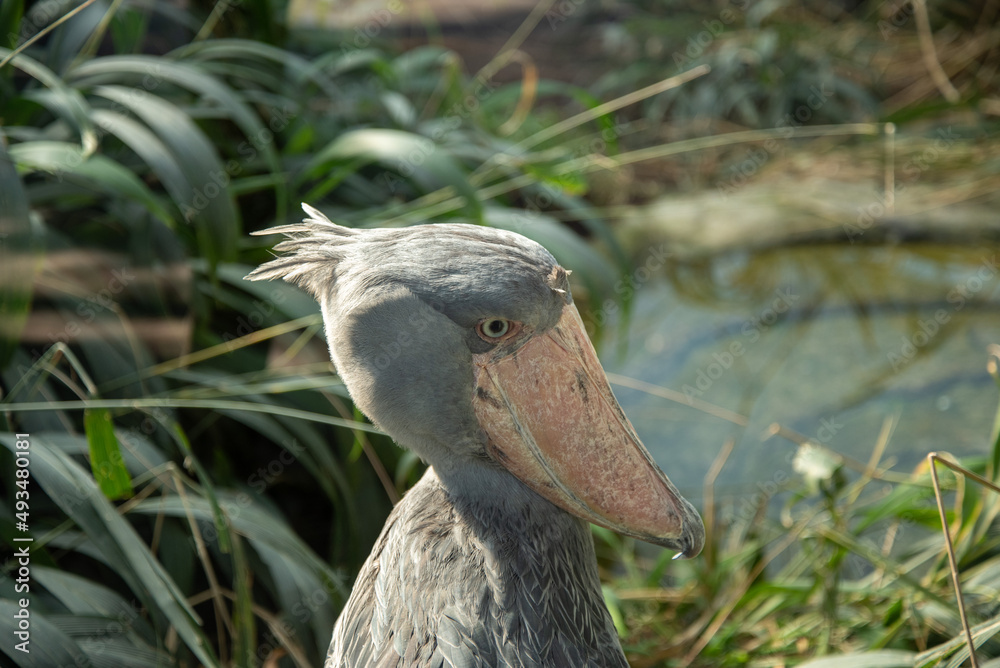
<point>309,254</point>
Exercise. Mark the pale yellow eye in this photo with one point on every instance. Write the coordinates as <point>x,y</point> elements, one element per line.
<point>498,330</point>
<point>495,328</point>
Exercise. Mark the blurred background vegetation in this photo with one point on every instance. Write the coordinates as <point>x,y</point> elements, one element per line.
<point>203,492</point>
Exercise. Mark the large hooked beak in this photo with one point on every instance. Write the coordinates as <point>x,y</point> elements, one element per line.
<point>552,420</point>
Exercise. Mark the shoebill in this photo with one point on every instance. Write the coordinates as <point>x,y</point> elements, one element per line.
<point>464,345</point>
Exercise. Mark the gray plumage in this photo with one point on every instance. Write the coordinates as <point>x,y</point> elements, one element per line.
<point>458,583</point>
<point>473,567</point>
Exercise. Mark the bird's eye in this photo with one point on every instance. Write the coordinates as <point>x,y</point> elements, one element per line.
<point>496,329</point>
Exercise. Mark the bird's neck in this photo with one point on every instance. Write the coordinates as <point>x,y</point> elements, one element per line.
<point>536,562</point>
<point>502,511</point>
<point>484,485</point>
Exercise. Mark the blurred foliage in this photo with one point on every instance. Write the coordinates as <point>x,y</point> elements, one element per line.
<point>784,64</point>
<point>205,508</point>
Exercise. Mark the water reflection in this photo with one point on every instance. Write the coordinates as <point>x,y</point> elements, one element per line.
<point>826,340</point>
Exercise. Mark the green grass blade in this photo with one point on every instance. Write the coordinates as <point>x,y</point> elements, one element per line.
<point>176,432</point>
<point>86,597</point>
<point>119,625</point>
<point>156,402</point>
<point>251,520</point>
<point>993,470</point>
<point>154,153</point>
<point>320,462</point>
<point>209,205</point>
<point>296,68</point>
<point>412,156</point>
<point>10,22</point>
<point>67,102</point>
<point>244,622</point>
<point>106,649</point>
<point>17,259</point>
<point>106,460</point>
<point>66,160</point>
<point>336,63</point>
<point>958,647</point>
<point>151,72</point>
<point>886,658</point>
<point>48,645</point>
